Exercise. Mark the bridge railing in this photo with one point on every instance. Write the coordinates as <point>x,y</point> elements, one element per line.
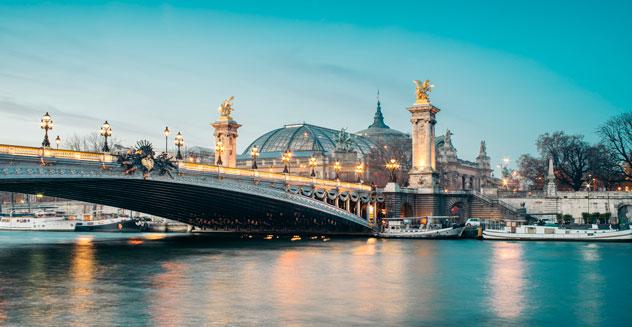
<point>25,151</point>
<point>270,176</point>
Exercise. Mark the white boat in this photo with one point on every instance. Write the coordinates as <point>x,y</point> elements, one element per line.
<point>425,227</point>
<point>43,220</point>
<point>557,233</point>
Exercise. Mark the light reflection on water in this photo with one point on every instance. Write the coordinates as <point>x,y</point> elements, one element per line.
<point>195,281</point>
<point>507,279</point>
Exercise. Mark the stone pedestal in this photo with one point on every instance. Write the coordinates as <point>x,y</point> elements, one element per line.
<point>226,132</point>
<point>423,173</point>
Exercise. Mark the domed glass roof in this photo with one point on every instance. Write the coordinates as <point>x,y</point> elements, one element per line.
<point>303,140</point>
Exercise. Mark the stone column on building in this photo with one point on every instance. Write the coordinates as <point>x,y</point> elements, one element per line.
<point>226,133</point>
<point>551,188</point>
<point>423,175</point>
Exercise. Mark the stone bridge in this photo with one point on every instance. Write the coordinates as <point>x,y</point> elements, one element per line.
<point>210,197</point>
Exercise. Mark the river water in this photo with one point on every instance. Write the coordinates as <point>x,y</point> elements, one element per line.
<point>73,279</point>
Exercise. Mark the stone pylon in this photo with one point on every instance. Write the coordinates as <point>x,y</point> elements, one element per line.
<point>551,187</point>
<point>423,174</point>
<point>226,136</point>
<point>484,163</point>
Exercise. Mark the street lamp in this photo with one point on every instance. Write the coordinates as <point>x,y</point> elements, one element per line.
<point>287,155</point>
<point>179,142</point>
<point>46,124</point>
<point>392,166</point>
<point>166,133</point>
<point>254,153</point>
<point>337,169</point>
<point>106,131</point>
<point>219,149</point>
<point>58,141</point>
<point>359,170</point>
<point>312,163</point>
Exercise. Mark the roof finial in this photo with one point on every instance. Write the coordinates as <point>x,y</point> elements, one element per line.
<point>378,119</point>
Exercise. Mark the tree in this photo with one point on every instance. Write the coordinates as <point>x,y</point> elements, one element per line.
<point>533,170</point>
<point>384,151</point>
<point>605,167</point>
<point>92,142</point>
<point>570,155</point>
<point>616,135</point>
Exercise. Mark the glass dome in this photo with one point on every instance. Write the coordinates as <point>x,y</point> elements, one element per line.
<point>303,140</point>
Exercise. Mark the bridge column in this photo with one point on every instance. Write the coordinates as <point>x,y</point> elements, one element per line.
<point>357,208</point>
<point>348,204</point>
<point>226,135</point>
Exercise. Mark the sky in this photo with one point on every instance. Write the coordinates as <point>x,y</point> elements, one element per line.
<point>504,71</point>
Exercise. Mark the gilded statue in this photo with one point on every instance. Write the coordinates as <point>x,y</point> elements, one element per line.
<point>226,108</point>
<point>423,90</point>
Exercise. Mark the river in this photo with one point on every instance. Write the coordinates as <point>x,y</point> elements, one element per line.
<point>75,279</point>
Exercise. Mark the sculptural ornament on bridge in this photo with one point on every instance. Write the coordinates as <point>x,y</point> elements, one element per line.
<point>423,91</point>
<point>226,108</point>
<point>142,157</point>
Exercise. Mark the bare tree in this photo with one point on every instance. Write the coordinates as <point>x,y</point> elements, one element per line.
<point>385,150</point>
<point>533,170</point>
<point>91,142</point>
<point>605,166</point>
<point>73,142</point>
<point>570,155</point>
<point>616,135</point>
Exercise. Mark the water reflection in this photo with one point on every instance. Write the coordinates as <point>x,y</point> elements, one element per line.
<point>171,291</point>
<point>590,288</point>
<point>82,278</point>
<point>507,279</point>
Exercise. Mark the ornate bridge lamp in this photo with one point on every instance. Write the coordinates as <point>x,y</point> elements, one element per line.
<point>359,170</point>
<point>166,133</point>
<point>392,166</point>
<point>286,157</point>
<point>106,131</point>
<point>337,169</point>
<point>254,153</point>
<point>46,124</point>
<point>219,149</point>
<point>58,141</point>
<point>179,142</point>
<point>312,163</point>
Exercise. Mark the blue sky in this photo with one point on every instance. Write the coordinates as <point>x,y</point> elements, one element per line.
<point>505,71</point>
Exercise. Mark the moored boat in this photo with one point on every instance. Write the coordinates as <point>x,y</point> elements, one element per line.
<point>41,220</point>
<point>113,223</point>
<point>431,227</point>
<point>559,233</point>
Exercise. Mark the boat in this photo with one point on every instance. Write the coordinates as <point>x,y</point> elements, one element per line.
<point>431,227</point>
<point>40,220</point>
<point>111,223</point>
<point>552,232</point>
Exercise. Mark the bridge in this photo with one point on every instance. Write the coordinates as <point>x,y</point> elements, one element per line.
<point>210,197</point>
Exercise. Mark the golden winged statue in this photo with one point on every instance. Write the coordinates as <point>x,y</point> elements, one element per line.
<point>226,108</point>
<point>423,90</point>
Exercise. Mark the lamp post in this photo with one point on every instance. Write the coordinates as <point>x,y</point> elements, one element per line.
<point>166,133</point>
<point>179,142</point>
<point>337,169</point>
<point>286,157</point>
<point>254,153</point>
<point>312,163</point>
<point>46,124</point>
<point>106,131</point>
<point>219,149</point>
<point>359,170</point>
<point>58,141</point>
<point>392,166</point>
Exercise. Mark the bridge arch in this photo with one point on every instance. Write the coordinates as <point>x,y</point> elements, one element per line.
<point>200,200</point>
